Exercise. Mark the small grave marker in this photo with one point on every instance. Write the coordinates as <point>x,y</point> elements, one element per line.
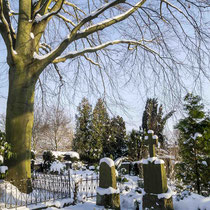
<point>107,193</point>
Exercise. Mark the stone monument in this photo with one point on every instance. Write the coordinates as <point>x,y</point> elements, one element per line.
<point>157,194</point>
<point>107,193</point>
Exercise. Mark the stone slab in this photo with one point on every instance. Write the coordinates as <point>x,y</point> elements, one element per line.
<point>107,176</point>
<point>155,180</point>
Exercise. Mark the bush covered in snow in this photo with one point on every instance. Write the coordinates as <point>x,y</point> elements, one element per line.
<point>77,165</point>
<point>68,156</point>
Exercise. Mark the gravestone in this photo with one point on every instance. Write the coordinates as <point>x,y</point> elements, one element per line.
<point>157,194</point>
<point>107,193</point>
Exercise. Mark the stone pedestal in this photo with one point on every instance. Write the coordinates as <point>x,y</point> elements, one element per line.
<point>110,201</point>
<point>153,202</point>
<point>107,193</point>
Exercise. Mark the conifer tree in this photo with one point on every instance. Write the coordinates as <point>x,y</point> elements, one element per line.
<point>135,145</point>
<point>117,142</point>
<point>82,139</point>
<point>194,145</point>
<point>153,119</point>
<point>100,131</point>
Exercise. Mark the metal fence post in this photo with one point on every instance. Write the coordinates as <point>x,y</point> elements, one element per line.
<point>69,177</point>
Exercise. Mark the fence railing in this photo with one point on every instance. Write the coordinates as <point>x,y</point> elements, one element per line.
<point>48,187</point>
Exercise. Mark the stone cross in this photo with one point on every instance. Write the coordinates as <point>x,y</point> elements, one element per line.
<point>155,180</point>
<point>152,141</point>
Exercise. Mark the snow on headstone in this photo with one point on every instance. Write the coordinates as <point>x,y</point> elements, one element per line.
<point>108,161</point>
<point>150,132</point>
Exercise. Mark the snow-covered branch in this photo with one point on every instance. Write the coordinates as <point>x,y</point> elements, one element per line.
<point>109,22</point>
<point>94,15</point>
<point>74,6</point>
<point>100,47</point>
<point>38,18</point>
<point>6,29</point>
<point>75,35</point>
<point>41,7</point>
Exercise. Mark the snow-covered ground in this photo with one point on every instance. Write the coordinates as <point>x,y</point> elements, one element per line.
<point>127,199</point>
<point>130,195</point>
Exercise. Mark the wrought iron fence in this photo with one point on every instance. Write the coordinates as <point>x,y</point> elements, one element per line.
<point>86,184</point>
<point>48,187</point>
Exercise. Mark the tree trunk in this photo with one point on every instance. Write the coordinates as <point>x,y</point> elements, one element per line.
<point>19,123</point>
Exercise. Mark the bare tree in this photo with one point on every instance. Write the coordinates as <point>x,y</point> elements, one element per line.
<point>52,130</point>
<point>61,132</point>
<point>37,129</point>
<point>40,34</point>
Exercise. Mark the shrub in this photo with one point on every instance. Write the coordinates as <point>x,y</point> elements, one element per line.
<point>48,158</point>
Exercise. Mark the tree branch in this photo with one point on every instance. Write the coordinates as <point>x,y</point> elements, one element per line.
<point>24,28</point>
<point>39,18</point>
<point>43,7</point>
<point>5,30</point>
<point>108,22</point>
<point>94,15</point>
<point>100,47</point>
<point>39,26</point>
<point>100,26</point>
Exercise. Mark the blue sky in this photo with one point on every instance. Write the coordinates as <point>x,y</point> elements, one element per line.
<point>134,101</point>
<point>134,98</point>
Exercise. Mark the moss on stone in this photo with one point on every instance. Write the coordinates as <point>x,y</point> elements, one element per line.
<point>152,202</point>
<point>155,180</point>
<point>107,176</point>
<point>111,201</point>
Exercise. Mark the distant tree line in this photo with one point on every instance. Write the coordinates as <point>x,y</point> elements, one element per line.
<point>97,135</point>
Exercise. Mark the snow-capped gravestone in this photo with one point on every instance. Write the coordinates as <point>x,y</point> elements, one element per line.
<point>107,192</point>
<point>157,194</point>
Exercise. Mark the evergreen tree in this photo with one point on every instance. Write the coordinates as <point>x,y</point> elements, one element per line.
<point>135,145</point>
<point>82,139</point>
<point>100,131</point>
<point>117,144</point>
<point>194,145</point>
<point>153,119</point>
